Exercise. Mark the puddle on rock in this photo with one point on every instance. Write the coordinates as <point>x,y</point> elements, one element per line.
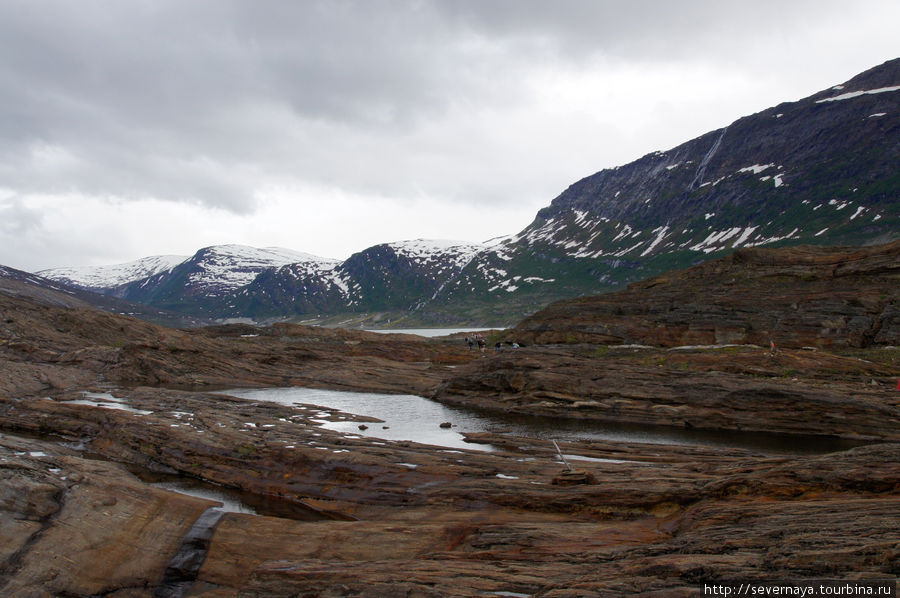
<point>412,418</point>
<point>105,401</point>
<point>233,500</point>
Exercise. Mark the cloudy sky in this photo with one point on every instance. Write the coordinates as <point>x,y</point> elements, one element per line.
<point>142,127</point>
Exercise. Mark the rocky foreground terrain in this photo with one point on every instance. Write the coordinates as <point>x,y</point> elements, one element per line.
<point>349,515</point>
<point>746,342</point>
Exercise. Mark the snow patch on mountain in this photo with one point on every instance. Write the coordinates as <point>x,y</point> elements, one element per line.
<point>339,280</point>
<point>623,233</point>
<point>774,239</point>
<point>660,235</point>
<point>839,205</point>
<point>855,94</point>
<point>756,168</point>
<point>233,266</point>
<point>455,254</point>
<point>100,277</point>
<point>716,240</point>
<point>744,236</point>
<point>506,285</point>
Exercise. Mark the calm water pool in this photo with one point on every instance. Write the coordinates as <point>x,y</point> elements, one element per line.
<point>417,419</point>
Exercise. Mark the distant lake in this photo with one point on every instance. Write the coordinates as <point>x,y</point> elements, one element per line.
<point>431,332</point>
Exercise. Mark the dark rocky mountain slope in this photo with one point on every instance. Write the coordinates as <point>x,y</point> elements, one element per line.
<point>820,171</point>
<point>18,283</point>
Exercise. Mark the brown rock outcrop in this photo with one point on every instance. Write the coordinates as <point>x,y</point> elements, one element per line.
<point>746,390</point>
<point>800,296</point>
<point>73,526</point>
<point>661,520</point>
<point>45,347</point>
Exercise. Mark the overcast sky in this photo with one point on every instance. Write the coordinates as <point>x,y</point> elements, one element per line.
<point>131,128</point>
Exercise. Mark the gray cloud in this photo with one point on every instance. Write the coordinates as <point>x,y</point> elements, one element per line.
<point>208,102</point>
<point>16,218</point>
<point>165,98</point>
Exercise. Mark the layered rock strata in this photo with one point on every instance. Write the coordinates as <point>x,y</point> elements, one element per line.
<point>794,297</point>
<point>714,388</point>
<point>660,521</point>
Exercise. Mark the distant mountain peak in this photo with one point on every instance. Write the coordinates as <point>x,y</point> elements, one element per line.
<point>104,277</point>
<point>221,268</point>
<point>275,256</point>
<point>457,252</point>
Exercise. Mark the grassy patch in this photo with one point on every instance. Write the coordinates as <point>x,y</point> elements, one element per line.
<point>889,356</point>
<point>593,351</point>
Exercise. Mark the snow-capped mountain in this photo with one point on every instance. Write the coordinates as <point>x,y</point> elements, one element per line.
<point>219,268</point>
<point>234,281</point>
<point>406,272</point>
<point>199,284</point>
<point>822,170</point>
<point>105,277</point>
<point>442,254</point>
<point>390,276</point>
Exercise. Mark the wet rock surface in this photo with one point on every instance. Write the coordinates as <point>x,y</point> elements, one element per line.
<point>74,526</point>
<point>461,523</point>
<point>395,518</point>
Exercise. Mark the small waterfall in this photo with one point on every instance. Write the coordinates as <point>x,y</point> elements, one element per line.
<point>701,169</point>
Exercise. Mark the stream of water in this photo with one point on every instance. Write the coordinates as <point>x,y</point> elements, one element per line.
<point>232,500</point>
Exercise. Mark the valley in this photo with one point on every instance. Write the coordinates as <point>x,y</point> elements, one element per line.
<point>817,171</point>
<point>691,376</point>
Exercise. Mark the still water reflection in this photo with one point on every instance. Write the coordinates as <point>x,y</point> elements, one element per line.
<point>409,417</point>
<point>431,332</point>
<point>231,500</point>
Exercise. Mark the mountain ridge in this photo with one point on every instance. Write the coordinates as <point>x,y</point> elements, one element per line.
<point>113,275</point>
<point>820,170</point>
<point>18,283</point>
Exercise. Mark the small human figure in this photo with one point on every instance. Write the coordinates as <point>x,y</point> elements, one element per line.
<point>515,345</point>
<point>470,343</point>
<point>481,344</point>
<point>497,347</point>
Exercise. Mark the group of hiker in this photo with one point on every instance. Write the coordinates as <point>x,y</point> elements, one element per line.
<point>478,339</point>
